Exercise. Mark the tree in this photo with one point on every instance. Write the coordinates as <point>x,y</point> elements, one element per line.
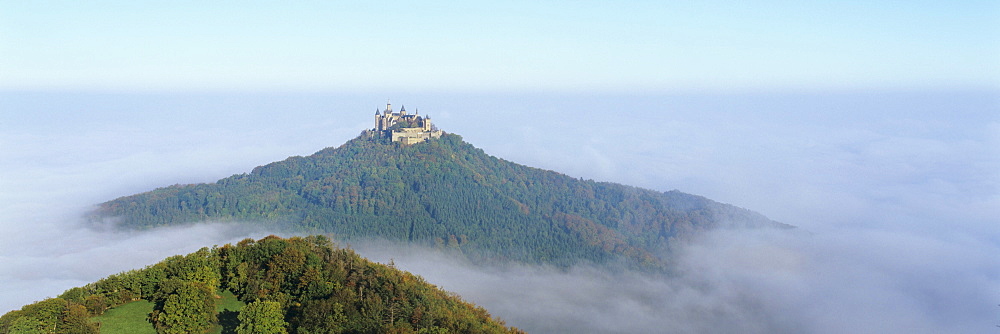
<point>47,313</point>
<point>191,309</point>
<point>262,317</point>
<point>26,325</point>
<point>75,321</point>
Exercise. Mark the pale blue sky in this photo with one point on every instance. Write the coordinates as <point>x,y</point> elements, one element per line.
<point>632,46</point>
<point>889,158</point>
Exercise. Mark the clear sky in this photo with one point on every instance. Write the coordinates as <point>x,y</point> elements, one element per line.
<point>648,46</point>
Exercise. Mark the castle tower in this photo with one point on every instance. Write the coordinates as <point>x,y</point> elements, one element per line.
<point>417,129</point>
<point>378,120</point>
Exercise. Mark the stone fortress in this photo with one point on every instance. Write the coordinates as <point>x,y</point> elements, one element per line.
<point>402,127</point>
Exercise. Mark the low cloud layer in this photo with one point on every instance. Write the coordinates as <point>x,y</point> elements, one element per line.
<point>896,196</point>
<point>743,282</point>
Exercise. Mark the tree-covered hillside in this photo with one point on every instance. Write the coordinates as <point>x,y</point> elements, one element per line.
<point>297,285</point>
<point>444,193</point>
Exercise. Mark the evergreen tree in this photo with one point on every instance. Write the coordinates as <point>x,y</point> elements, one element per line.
<point>444,193</point>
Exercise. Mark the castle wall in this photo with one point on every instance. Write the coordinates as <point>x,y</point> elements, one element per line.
<point>409,136</point>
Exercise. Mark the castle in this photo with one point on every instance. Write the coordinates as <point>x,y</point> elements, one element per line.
<point>402,127</point>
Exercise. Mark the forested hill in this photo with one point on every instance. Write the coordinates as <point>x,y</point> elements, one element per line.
<point>272,285</point>
<point>443,193</point>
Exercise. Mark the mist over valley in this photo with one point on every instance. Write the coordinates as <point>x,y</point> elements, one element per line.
<point>894,195</point>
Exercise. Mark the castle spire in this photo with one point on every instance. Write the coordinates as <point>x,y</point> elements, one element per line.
<point>388,106</point>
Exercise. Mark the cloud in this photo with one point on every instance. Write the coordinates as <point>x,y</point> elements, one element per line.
<point>52,259</point>
<point>57,162</point>
<point>896,195</point>
<point>763,281</point>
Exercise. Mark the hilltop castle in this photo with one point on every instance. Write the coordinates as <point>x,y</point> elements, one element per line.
<point>402,127</point>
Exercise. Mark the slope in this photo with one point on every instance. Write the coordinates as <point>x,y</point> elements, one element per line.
<point>296,285</point>
<point>446,193</point>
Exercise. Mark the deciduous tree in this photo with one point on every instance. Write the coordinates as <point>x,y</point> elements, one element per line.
<point>262,317</point>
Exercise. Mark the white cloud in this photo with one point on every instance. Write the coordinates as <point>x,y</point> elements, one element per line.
<point>844,281</point>
<point>897,195</point>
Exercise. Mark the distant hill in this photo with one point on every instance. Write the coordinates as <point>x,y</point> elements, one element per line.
<point>444,193</point>
<point>297,285</point>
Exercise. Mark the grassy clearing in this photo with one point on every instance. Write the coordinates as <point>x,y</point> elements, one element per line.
<point>131,318</point>
<point>228,302</point>
<point>127,319</point>
<point>229,308</point>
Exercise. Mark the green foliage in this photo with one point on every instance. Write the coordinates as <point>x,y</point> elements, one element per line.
<point>189,308</point>
<point>262,317</point>
<point>133,318</point>
<point>184,294</point>
<point>75,320</point>
<point>75,295</point>
<point>443,193</point>
<point>297,285</point>
<point>53,315</point>
<point>26,325</point>
<point>327,290</point>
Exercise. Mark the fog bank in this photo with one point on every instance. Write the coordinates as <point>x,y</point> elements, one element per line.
<point>897,196</point>
<point>742,282</point>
